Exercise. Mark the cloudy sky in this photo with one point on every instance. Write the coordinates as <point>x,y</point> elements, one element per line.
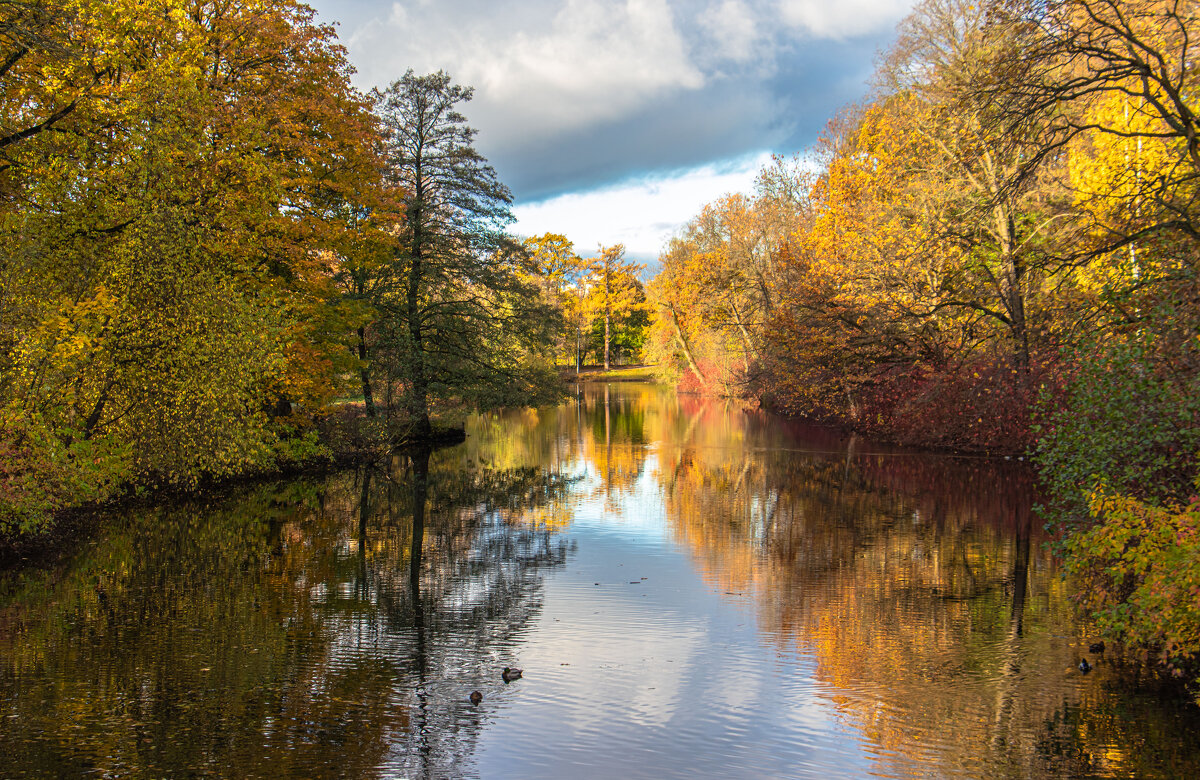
<point>616,120</point>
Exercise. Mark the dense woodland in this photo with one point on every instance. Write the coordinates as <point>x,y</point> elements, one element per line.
<point>209,241</point>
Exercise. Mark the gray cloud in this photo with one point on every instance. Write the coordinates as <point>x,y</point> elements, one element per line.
<point>576,94</point>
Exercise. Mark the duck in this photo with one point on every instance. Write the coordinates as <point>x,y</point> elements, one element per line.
<point>1084,666</point>
<point>476,697</point>
<point>509,674</point>
<point>1096,647</point>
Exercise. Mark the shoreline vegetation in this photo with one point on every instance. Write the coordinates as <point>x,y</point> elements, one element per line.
<point>207,235</point>
<point>348,437</point>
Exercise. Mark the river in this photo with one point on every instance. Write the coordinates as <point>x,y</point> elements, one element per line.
<point>692,591</point>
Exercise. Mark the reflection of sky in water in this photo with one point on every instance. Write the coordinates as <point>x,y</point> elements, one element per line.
<point>636,515</point>
<point>653,673</point>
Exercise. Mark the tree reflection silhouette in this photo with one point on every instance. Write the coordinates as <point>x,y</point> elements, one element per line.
<point>314,629</point>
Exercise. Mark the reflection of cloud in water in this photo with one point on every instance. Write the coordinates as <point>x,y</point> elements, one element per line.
<point>637,513</point>
<point>609,676</point>
<point>666,678</point>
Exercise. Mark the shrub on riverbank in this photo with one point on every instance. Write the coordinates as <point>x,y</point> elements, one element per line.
<point>1129,418</point>
<point>41,477</point>
<point>985,406</point>
<point>1138,573</point>
<point>1118,455</point>
<point>41,474</point>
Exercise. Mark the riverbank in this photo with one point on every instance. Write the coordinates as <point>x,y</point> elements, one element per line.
<point>343,436</point>
<point>66,528</point>
<point>638,373</point>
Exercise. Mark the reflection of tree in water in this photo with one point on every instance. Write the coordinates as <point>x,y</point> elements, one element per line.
<point>607,427</point>
<point>473,585</point>
<point>919,587</point>
<point>295,631</point>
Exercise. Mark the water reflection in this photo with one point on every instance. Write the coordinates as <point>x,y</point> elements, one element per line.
<point>918,585</point>
<point>693,589</point>
<point>318,628</point>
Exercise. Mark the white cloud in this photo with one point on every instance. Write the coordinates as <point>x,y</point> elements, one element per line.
<point>840,19</point>
<point>595,63</point>
<point>733,27</point>
<point>641,214</point>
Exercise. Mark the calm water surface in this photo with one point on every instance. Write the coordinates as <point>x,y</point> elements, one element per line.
<point>692,591</point>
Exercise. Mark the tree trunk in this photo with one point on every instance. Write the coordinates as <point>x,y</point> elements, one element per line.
<point>365,373</point>
<point>607,340</point>
<point>93,419</point>
<point>1013,281</point>
<point>687,350</point>
<point>579,349</point>
<point>607,319</point>
<point>747,344</point>
<point>418,401</point>
<point>852,407</point>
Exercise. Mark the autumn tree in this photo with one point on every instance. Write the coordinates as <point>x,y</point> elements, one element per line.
<point>867,273</point>
<point>695,336</point>
<point>676,325</point>
<point>731,255</point>
<point>360,265</point>
<point>614,290</point>
<point>1115,80</point>
<point>36,37</point>
<point>721,280</point>
<point>160,286</point>
<point>947,57</point>
<point>561,273</point>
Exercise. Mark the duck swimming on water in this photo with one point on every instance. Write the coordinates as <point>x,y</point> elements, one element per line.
<point>1084,666</point>
<point>509,674</point>
<point>476,697</point>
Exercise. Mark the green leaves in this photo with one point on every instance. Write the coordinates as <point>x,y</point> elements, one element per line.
<point>1138,571</point>
<point>1124,417</point>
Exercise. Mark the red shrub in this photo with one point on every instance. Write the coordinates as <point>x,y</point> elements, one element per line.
<point>986,406</point>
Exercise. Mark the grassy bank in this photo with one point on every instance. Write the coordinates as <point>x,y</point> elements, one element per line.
<point>640,373</point>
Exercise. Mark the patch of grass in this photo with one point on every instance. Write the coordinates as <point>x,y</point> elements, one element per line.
<point>641,373</point>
